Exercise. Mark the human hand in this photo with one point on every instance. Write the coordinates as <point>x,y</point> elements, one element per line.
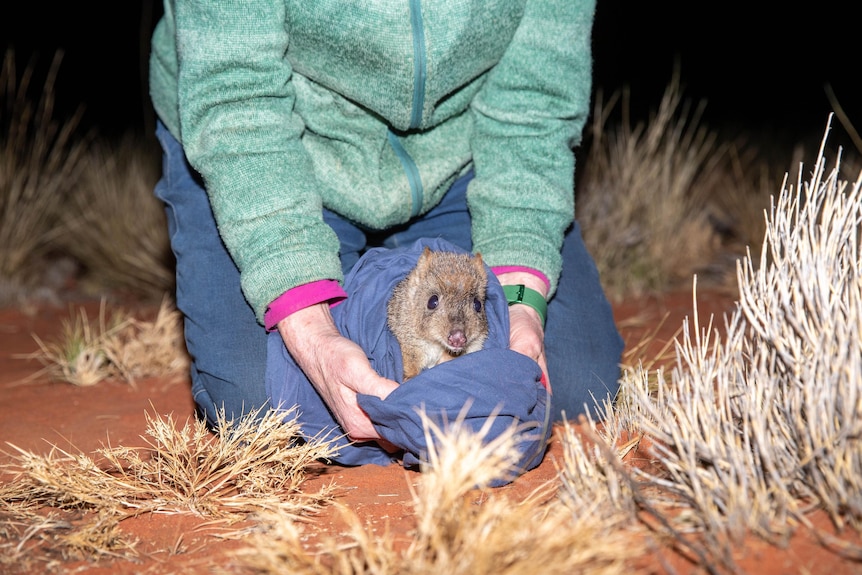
<point>526,332</point>
<point>337,368</point>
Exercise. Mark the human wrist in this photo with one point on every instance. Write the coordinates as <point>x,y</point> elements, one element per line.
<point>535,281</point>
<point>307,322</point>
<point>535,289</point>
<point>303,333</point>
<point>521,294</point>
<point>523,275</point>
<point>301,297</point>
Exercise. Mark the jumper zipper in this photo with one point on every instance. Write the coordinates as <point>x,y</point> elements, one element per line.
<point>419,63</point>
<point>411,171</point>
<point>419,72</point>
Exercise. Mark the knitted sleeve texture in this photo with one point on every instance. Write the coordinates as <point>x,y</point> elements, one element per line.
<point>239,130</point>
<point>528,117</point>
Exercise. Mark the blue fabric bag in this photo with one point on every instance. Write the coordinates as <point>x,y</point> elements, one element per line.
<point>493,382</point>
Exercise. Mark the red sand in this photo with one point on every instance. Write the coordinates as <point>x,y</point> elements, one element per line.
<point>39,413</point>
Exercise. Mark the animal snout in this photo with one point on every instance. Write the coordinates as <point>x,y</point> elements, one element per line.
<point>457,339</point>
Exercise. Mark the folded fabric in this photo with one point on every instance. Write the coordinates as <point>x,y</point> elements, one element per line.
<point>492,383</point>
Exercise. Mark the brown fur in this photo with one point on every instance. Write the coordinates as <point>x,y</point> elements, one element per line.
<point>454,327</point>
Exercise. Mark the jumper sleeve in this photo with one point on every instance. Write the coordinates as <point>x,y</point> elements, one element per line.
<point>240,132</point>
<point>528,117</point>
<point>302,297</point>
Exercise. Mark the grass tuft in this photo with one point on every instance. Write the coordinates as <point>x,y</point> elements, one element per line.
<point>120,347</point>
<point>117,227</point>
<point>461,528</point>
<point>246,467</point>
<point>40,163</point>
<point>643,190</point>
<point>755,430</point>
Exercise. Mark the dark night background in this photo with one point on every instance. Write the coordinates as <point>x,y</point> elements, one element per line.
<point>761,66</point>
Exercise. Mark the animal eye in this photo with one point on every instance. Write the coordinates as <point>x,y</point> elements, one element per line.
<point>477,305</point>
<point>433,301</point>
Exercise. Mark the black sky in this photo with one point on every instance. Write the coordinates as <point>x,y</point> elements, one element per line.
<point>760,66</point>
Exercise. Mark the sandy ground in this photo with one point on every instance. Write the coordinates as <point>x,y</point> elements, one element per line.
<point>37,414</point>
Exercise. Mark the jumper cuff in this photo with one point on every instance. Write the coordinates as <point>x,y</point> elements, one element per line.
<point>507,269</point>
<point>301,297</point>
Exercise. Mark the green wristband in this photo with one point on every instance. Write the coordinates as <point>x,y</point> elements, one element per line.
<point>523,294</point>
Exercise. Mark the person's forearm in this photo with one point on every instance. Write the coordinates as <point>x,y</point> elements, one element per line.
<point>528,279</point>
<point>302,332</point>
<point>301,297</point>
<point>528,116</point>
<point>241,132</point>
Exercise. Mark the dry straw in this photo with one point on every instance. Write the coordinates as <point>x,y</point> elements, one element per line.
<point>63,196</point>
<point>117,347</point>
<point>461,527</point>
<point>249,466</point>
<point>116,226</point>
<point>40,163</point>
<point>644,188</point>
<point>755,429</point>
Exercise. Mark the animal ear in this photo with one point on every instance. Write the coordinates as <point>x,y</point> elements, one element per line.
<point>424,258</point>
<point>477,261</point>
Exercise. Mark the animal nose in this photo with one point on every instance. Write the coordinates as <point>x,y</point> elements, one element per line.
<point>457,339</point>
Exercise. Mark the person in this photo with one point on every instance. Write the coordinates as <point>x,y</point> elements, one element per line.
<point>296,135</point>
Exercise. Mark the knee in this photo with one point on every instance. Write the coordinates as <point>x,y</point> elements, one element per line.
<point>217,399</point>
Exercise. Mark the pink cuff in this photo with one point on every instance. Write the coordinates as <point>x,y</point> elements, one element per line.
<point>301,297</point>
<point>506,269</point>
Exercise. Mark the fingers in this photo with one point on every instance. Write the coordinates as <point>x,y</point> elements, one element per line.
<point>527,336</point>
<point>348,374</point>
<point>543,363</point>
<point>341,372</point>
<point>337,368</point>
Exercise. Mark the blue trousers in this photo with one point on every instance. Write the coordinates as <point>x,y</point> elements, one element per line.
<point>228,346</point>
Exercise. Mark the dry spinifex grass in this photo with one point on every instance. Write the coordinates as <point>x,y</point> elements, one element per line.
<point>120,346</point>
<point>642,200</point>
<point>664,199</point>
<point>461,527</point>
<point>40,162</point>
<point>254,465</point>
<point>116,226</point>
<point>754,430</point>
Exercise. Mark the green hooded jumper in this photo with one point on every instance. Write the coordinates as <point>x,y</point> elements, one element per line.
<point>372,108</point>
